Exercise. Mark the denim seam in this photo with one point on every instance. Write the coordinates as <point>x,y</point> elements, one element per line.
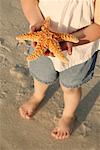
<point>46,82</point>
<point>76,86</point>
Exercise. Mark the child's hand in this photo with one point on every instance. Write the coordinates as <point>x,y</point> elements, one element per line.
<point>64,46</point>
<point>67,46</point>
<point>33,29</point>
<point>48,53</point>
<point>38,28</point>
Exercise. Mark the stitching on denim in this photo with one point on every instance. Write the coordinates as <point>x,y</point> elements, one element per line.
<point>46,82</point>
<point>76,86</point>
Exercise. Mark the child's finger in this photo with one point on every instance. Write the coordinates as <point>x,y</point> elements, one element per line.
<point>34,44</point>
<point>48,53</point>
<point>69,48</point>
<point>34,28</point>
<point>66,46</point>
<point>63,45</point>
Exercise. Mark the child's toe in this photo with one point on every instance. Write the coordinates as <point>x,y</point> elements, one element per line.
<point>63,135</point>
<point>54,132</point>
<point>22,112</point>
<point>67,134</point>
<point>59,134</point>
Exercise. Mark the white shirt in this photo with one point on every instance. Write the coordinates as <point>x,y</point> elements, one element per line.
<point>69,16</point>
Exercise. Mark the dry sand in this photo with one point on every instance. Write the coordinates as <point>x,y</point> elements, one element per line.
<point>19,134</point>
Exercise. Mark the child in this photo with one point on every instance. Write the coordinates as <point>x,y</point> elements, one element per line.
<point>79,17</point>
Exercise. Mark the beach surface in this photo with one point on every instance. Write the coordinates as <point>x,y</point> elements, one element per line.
<point>17,87</point>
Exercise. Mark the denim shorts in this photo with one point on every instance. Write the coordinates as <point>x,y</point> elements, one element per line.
<point>43,70</point>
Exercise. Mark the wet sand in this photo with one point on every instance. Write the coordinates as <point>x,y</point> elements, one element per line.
<point>15,88</point>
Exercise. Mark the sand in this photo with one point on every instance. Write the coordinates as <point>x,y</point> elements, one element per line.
<point>15,88</point>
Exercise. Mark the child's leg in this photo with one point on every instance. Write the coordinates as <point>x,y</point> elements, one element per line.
<point>29,107</point>
<point>71,101</point>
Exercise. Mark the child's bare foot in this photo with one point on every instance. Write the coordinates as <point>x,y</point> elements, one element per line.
<point>64,128</point>
<point>28,109</point>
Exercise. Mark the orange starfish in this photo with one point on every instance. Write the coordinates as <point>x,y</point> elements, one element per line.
<point>47,40</point>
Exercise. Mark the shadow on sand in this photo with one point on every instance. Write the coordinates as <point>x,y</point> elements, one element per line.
<point>50,92</point>
<point>86,105</point>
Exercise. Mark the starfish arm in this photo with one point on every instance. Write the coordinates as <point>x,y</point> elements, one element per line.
<point>46,24</point>
<point>69,38</point>
<point>65,37</point>
<point>29,36</point>
<point>54,47</point>
<point>58,36</point>
<point>39,51</point>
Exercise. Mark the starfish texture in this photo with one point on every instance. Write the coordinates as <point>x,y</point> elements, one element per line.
<point>47,39</point>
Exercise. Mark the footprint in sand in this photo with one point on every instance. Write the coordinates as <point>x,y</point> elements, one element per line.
<point>3,46</point>
<point>4,62</point>
<point>85,129</point>
<point>5,59</point>
<point>21,74</point>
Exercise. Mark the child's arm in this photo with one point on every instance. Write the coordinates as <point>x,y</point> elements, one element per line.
<point>88,34</point>
<point>92,32</point>
<point>32,12</point>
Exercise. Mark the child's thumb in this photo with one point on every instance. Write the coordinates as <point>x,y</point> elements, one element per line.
<point>32,29</point>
